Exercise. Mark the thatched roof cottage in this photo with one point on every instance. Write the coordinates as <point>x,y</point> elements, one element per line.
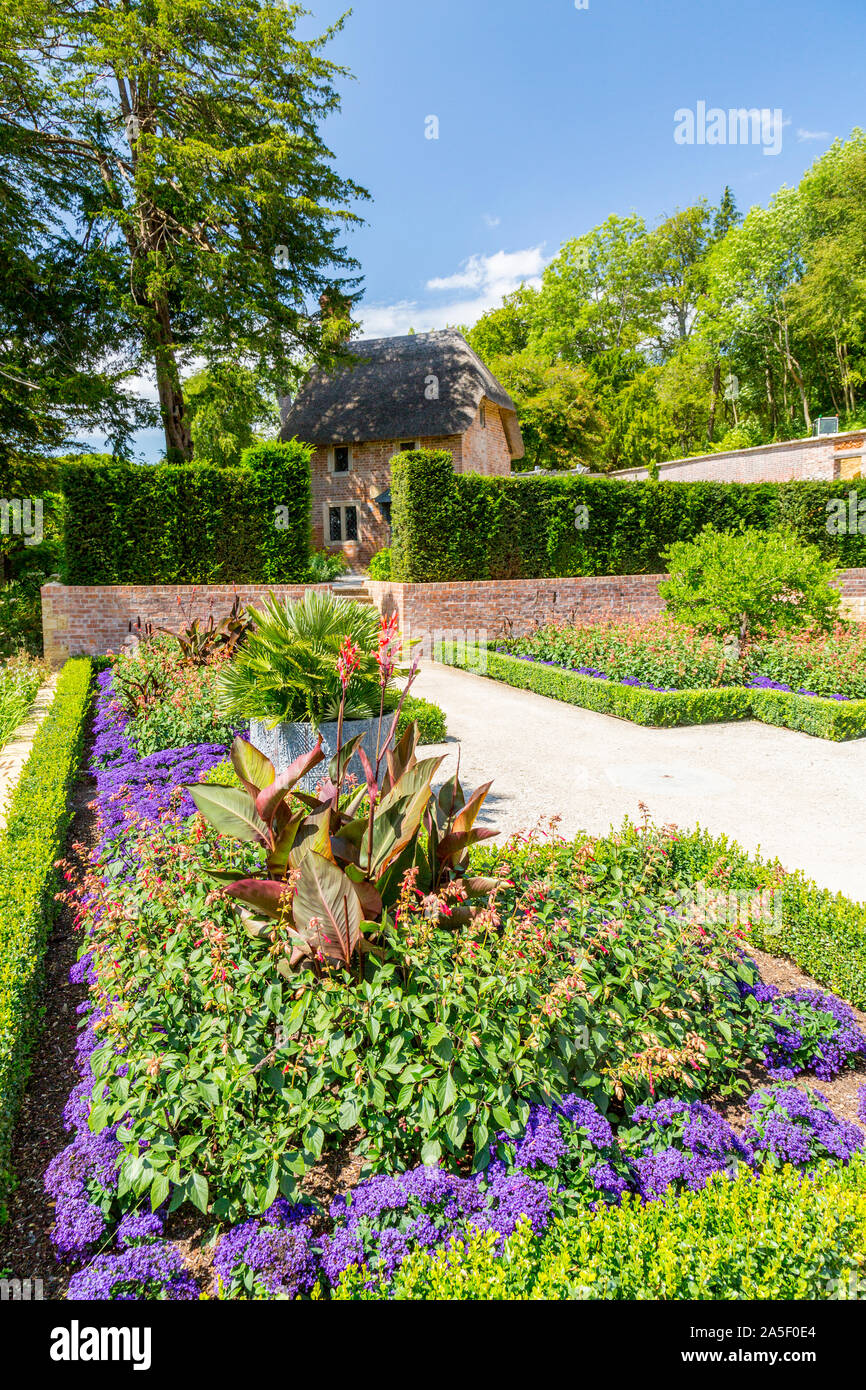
<point>423,391</point>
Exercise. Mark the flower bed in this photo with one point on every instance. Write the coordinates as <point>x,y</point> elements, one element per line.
<point>557,1044</point>
<point>20,679</point>
<point>643,703</point>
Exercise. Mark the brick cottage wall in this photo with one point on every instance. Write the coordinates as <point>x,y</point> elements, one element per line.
<point>482,449</point>
<point>89,621</point>
<point>823,459</point>
<point>368,477</point>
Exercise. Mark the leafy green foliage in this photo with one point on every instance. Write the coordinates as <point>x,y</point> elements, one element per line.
<point>171,701</point>
<point>239,1078</point>
<point>30,845</point>
<point>379,566</point>
<point>559,418</point>
<point>750,582</point>
<point>226,403</point>
<point>286,671</point>
<point>775,1236</point>
<point>206,222</point>
<point>181,525</point>
<point>450,526</point>
<point>329,863</point>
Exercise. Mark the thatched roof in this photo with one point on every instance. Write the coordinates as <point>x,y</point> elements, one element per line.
<point>382,393</point>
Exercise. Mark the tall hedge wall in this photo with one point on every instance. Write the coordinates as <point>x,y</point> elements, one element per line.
<point>188,524</point>
<point>452,526</point>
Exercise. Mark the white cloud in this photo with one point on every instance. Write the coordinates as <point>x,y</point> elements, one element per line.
<point>812,134</point>
<point>484,279</point>
<point>490,220</point>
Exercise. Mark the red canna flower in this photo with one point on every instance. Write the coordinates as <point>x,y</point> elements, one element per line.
<point>348,662</point>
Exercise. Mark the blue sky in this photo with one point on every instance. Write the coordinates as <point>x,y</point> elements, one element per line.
<point>551,118</point>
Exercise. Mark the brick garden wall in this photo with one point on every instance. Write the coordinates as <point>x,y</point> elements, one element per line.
<point>824,459</point>
<point>91,621</point>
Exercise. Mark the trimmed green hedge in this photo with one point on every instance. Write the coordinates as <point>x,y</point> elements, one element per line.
<point>777,1236</point>
<point>824,933</point>
<point>831,719</point>
<point>34,837</point>
<point>430,719</point>
<point>455,526</point>
<point>190,524</point>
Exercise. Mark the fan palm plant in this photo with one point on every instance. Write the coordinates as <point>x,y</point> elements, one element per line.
<point>286,671</point>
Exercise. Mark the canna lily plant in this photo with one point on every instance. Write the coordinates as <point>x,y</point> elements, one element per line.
<point>335,863</point>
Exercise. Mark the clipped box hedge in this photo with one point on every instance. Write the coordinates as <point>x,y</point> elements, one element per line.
<point>37,820</point>
<point>451,526</point>
<point>189,524</point>
<point>838,720</point>
<point>824,933</point>
<point>778,1236</point>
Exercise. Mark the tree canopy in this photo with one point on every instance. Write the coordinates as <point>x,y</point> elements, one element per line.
<point>172,150</point>
<point>709,330</point>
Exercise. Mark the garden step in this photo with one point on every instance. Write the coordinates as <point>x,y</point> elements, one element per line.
<point>357,593</point>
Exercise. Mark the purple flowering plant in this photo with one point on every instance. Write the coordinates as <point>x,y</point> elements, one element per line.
<point>572,1149</point>
<point>812,1031</point>
<point>272,1256</point>
<point>680,1144</point>
<point>796,1125</point>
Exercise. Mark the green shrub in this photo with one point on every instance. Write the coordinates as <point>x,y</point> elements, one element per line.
<point>451,526</point>
<point>738,584</point>
<point>325,566</point>
<point>34,837</point>
<point>430,719</point>
<point>380,564</point>
<point>286,670</point>
<point>830,719</point>
<point>191,524</point>
<point>776,1236</point>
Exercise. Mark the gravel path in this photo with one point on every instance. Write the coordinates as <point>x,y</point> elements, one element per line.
<point>799,798</point>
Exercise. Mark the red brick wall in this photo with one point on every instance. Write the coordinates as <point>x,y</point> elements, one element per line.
<point>822,459</point>
<point>519,605</point>
<point>91,621</point>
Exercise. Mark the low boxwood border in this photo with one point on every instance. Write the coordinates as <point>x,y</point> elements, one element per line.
<point>35,834</point>
<point>778,1235</point>
<point>822,932</point>
<point>837,720</point>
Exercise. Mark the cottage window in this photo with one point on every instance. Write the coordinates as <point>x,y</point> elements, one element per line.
<point>407,446</point>
<point>342,523</point>
<point>482,416</point>
<point>341,458</point>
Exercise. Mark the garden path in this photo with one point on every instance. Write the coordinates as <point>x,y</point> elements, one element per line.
<point>799,798</point>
